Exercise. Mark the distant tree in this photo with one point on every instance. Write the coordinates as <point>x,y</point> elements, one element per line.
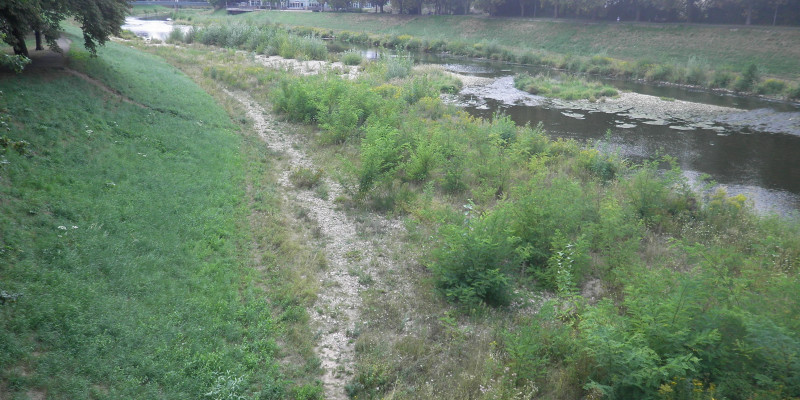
<point>558,5</point>
<point>380,4</point>
<point>775,5</point>
<point>218,4</point>
<point>98,20</point>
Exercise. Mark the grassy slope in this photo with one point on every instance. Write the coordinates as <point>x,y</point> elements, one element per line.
<point>777,50</point>
<point>145,292</point>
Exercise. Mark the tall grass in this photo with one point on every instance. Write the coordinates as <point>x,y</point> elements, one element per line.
<point>265,39</point>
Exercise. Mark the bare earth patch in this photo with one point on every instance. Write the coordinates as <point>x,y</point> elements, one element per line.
<point>338,305</point>
<point>311,67</point>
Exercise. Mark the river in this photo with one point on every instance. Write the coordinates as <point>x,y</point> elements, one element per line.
<point>748,145</point>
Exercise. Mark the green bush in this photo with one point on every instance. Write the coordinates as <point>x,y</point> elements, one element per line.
<point>472,264</point>
<point>661,73</point>
<point>771,87</point>
<point>380,154</point>
<point>351,58</point>
<point>398,67</point>
<point>697,71</point>
<point>296,99</point>
<point>747,80</point>
<point>794,93</point>
<point>722,79</point>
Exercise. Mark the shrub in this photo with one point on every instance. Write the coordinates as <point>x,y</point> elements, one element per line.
<point>660,72</point>
<point>398,67</point>
<point>352,57</point>
<point>380,155</point>
<point>530,59</point>
<point>697,71</point>
<point>305,178</point>
<point>175,35</point>
<point>722,79</point>
<point>794,94</point>
<point>470,266</point>
<point>747,80</point>
<point>295,98</point>
<point>771,86</point>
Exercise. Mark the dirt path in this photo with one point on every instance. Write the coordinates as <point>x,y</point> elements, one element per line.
<point>337,309</point>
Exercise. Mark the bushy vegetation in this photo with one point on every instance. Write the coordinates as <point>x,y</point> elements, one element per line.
<point>691,286</point>
<point>267,39</point>
<point>567,88</point>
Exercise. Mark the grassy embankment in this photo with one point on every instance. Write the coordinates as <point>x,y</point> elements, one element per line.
<point>139,231</point>
<point>709,56</point>
<point>654,291</point>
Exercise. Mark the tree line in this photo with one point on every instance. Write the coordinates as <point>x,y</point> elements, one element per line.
<point>747,12</point>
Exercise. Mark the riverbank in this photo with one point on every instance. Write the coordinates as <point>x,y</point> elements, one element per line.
<point>548,232</point>
<point>711,56</point>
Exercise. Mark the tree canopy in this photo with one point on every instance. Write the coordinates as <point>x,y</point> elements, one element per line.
<point>98,20</point>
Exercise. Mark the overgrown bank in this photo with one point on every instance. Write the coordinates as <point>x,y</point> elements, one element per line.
<point>706,56</point>
<point>655,291</point>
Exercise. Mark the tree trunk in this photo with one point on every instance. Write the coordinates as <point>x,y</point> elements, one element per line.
<point>555,11</point>
<point>638,13</point>
<point>775,15</point>
<point>20,48</point>
<point>534,9</point>
<point>748,13</point>
<point>38,35</point>
<point>521,8</point>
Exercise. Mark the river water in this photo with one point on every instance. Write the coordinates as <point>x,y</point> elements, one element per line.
<point>753,160</point>
<point>760,160</point>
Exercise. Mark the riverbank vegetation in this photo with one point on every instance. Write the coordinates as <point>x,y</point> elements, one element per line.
<point>704,56</point>
<point>541,268</point>
<point>527,268</point>
<point>137,222</point>
<point>567,88</point>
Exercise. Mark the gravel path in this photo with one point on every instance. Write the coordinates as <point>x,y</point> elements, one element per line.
<point>339,298</point>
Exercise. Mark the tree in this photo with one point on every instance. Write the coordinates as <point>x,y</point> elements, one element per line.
<point>220,4</point>
<point>98,20</point>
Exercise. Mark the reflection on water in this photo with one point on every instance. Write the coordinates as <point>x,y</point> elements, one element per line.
<point>151,29</point>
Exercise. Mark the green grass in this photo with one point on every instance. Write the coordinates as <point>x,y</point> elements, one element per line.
<point>567,88</point>
<point>124,228</point>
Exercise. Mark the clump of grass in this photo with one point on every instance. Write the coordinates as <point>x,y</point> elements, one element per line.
<point>352,57</point>
<point>771,87</point>
<point>306,178</point>
<point>176,36</point>
<point>569,88</point>
<point>267,39</point>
